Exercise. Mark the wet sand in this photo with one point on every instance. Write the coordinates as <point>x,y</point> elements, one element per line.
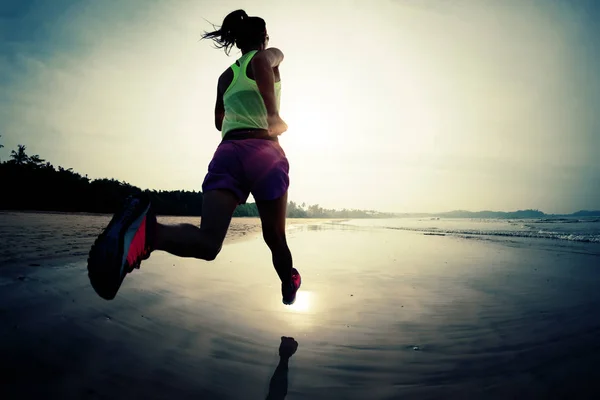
<point>37,239</point>
<point>381,315</point>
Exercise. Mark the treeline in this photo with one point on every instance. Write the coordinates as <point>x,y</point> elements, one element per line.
<point>31,183</point>
<point>315,211</point>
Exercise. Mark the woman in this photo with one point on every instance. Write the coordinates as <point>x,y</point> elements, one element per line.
<point>248,160</point>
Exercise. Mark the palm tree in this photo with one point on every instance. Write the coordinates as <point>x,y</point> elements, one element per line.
<point>19,156</point>
<point>36,160</point>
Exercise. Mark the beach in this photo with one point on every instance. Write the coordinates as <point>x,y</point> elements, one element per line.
<point>39,238</point>
<point>382,314</point>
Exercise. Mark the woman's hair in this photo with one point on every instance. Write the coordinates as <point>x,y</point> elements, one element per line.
<point>240,29</point>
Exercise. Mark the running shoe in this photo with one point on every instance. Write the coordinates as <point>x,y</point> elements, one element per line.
<point>289,291</point>
<point>121,247</point>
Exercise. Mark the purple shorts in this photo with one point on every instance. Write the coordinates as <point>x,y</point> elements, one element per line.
<point>256,166</point>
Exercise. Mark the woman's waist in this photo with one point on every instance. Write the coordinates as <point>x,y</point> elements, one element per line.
<point>249,133</point>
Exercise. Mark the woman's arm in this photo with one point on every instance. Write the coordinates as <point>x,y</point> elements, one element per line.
<point>224,82</point>
<point>219,111</point>
<point>262,67</point>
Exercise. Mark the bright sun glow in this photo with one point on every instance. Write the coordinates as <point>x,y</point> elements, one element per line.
<point>302,303</point>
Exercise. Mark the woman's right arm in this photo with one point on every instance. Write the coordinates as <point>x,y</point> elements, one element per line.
<point>262,66</point>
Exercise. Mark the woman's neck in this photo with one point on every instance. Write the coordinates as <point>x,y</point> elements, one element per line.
<point>245,51</point>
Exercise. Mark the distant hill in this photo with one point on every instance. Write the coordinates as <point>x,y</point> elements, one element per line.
<point>584,213</point>
<point>493,214</point>
<point>520,214</point>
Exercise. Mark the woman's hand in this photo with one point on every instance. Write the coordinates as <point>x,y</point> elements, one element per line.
<point>276,125</point>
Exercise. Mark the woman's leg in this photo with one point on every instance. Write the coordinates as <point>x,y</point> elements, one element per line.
<point>272,216</point>
<point>204,242</point>
<point>133,233</point>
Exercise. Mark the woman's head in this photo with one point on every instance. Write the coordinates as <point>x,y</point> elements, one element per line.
<point>247,33</point>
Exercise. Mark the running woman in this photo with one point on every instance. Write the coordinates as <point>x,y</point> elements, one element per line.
<point>248,160</point>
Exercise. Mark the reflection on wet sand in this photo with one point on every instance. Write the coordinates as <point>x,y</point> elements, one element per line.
<point>278,385</point>
<point>381,314</point>
<point>328,226</point>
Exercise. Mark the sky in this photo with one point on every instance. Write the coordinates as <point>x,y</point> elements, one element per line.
<point>392,105</point>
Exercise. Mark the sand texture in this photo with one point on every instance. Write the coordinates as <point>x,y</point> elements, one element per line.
<point>381,314</point>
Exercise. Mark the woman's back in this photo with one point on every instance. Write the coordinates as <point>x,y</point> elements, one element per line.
<point>243,102</point>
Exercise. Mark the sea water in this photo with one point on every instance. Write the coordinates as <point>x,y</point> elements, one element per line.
<point>586,230</point>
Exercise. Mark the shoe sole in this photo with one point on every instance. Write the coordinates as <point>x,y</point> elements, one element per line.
<point>106,268</point>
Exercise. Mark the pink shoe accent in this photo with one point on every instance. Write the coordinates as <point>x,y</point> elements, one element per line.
<point>138,250</point>
<point>296,280</point>
<point>289,291</point>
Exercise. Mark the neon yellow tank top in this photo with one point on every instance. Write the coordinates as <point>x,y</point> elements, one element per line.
<point>244,105</point>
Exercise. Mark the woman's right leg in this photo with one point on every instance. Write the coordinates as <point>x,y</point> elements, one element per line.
<point>204,242</point>
<point>272,216</point>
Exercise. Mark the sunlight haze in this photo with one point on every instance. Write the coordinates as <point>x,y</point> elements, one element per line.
<point>402,106</point>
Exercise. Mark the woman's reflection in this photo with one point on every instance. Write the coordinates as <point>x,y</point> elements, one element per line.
<point>279,382</point>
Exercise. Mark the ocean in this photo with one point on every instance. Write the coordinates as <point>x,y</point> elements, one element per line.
<point>582,230</point>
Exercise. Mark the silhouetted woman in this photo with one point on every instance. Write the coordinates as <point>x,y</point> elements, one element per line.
<point>248,160</point>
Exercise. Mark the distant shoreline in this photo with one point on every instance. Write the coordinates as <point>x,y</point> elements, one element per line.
<point>92,214</point>
<point>448,215</point>
<point>521,214</point>
<point>85,213</point>
<point>27,177</point>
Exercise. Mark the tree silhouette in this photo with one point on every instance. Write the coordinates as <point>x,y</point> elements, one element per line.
<point>19,157</point>
<point>36,161</point>
<point>38,185</point>
<point>1,145</point>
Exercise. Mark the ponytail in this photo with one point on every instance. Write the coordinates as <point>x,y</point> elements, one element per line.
<point>229,32</point>
<point>238,28</point>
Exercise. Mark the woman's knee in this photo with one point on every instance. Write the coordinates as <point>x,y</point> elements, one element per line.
<point>275,239</point>
<point>211,251</point>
